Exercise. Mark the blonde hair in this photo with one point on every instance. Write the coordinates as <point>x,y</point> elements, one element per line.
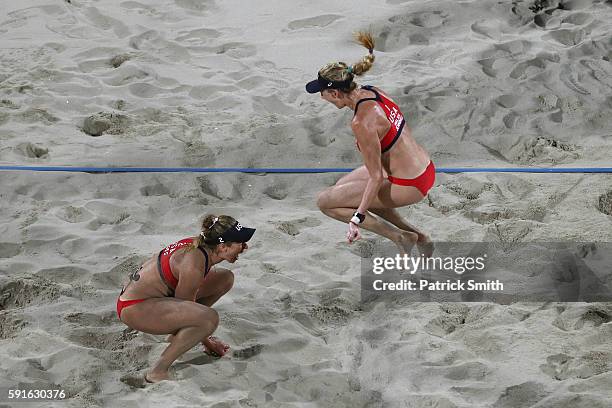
<point>340,71</point>
<point>213,226</point>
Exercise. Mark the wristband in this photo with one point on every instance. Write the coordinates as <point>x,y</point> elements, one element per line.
<point>357,218</point>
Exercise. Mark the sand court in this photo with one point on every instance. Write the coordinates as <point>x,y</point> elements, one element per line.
<point>190,83</point>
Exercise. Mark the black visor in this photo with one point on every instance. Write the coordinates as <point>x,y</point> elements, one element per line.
<point>237,233</point>
<point>320,84</point>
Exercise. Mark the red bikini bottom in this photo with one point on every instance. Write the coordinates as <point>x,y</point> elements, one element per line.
<point>424,182</point>
<point>125,303</point>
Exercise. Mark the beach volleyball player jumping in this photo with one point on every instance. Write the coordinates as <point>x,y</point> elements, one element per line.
<point>173,291</point>
<point>397,171</point>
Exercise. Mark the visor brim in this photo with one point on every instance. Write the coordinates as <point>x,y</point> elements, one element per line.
<point>313,86</point>
<point>243,235</point>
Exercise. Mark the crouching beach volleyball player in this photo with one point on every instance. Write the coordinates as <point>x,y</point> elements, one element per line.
<point>172,292</point>
<point>397,171</point>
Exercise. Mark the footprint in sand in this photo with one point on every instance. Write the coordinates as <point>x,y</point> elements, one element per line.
<point>321,131</point>
<point>448,108</point>
<point>125,75</point>
<point>598,70</point>
<point>449,321</point>
<point>22,291</point>
<point>38,115</point>
<point>144,90</point>
<point>507,101</point>
<point>583,318</point>
<point>139,7</point>
<point>572,80</point>
<point>64,274</point>
<point>522,395</point>
<point>562,367</point>
<point>277,191</point>
<point>472,370</point>
<point>4,117</point>
<point>540,150</point>
<point>277,134</point>
<point>486,28</point>
<point>308,323</point>
<point>104,22</point>
<point>91,60</point>
<point>515,47</point>
<point>424,19</point>
<point>509,233</point>
<point>330,314</point>
<point>154,42</point>
<point>576,400</point>
<point>401,32</point>
<point>595,316</point>
<point>73,214</point>
<point>157,189</point>
<point>321,138</point>
<point>209,187</point>
<point>210,91</point>
<point>32,150</point>
<point>19,18</point>
<point>248,352</point>
<point>604,203</point>
<point>91,337</point>
<point>575,4</point>
<point>92,319</point>
<point>9,249</point>
<point>143,39</point>
<point>236,49</point>
<point>314,22</point>
<point>114,222</point>
<point>256,81</point>
<point>10,325</point>
<point>364,248</point>
<point>198,35</point>
<point>134,380</point>
<point>512,120</point>
<point>528,69</point>
<point>567,37</point>
<point>577,19</point>
<point>293,227</point>
<point>196,5</point>
<point>272,103</point>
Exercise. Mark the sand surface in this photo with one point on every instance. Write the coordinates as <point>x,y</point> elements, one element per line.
<point>221,84</point>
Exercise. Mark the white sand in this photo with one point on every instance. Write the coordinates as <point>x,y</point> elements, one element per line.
<point>220,83</point>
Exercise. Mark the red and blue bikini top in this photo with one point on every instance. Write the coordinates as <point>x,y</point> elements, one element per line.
<point>163,262</point>
<point>393,113</point>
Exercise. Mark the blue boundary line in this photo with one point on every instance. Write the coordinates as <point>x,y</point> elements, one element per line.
<point>295,170</point>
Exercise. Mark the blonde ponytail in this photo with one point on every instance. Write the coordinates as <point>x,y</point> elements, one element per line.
<point>366,39</point>
<point>342,72</point>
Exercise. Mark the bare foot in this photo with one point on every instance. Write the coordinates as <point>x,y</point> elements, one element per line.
<point>425,246</point>
<point>215,347</point>
<point>154,377</point>
<point>406,241</point>
<point>211,346</point>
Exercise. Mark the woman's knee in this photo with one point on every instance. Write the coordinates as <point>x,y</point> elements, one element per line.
<point>209,319</point>
<point>323,200</point>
